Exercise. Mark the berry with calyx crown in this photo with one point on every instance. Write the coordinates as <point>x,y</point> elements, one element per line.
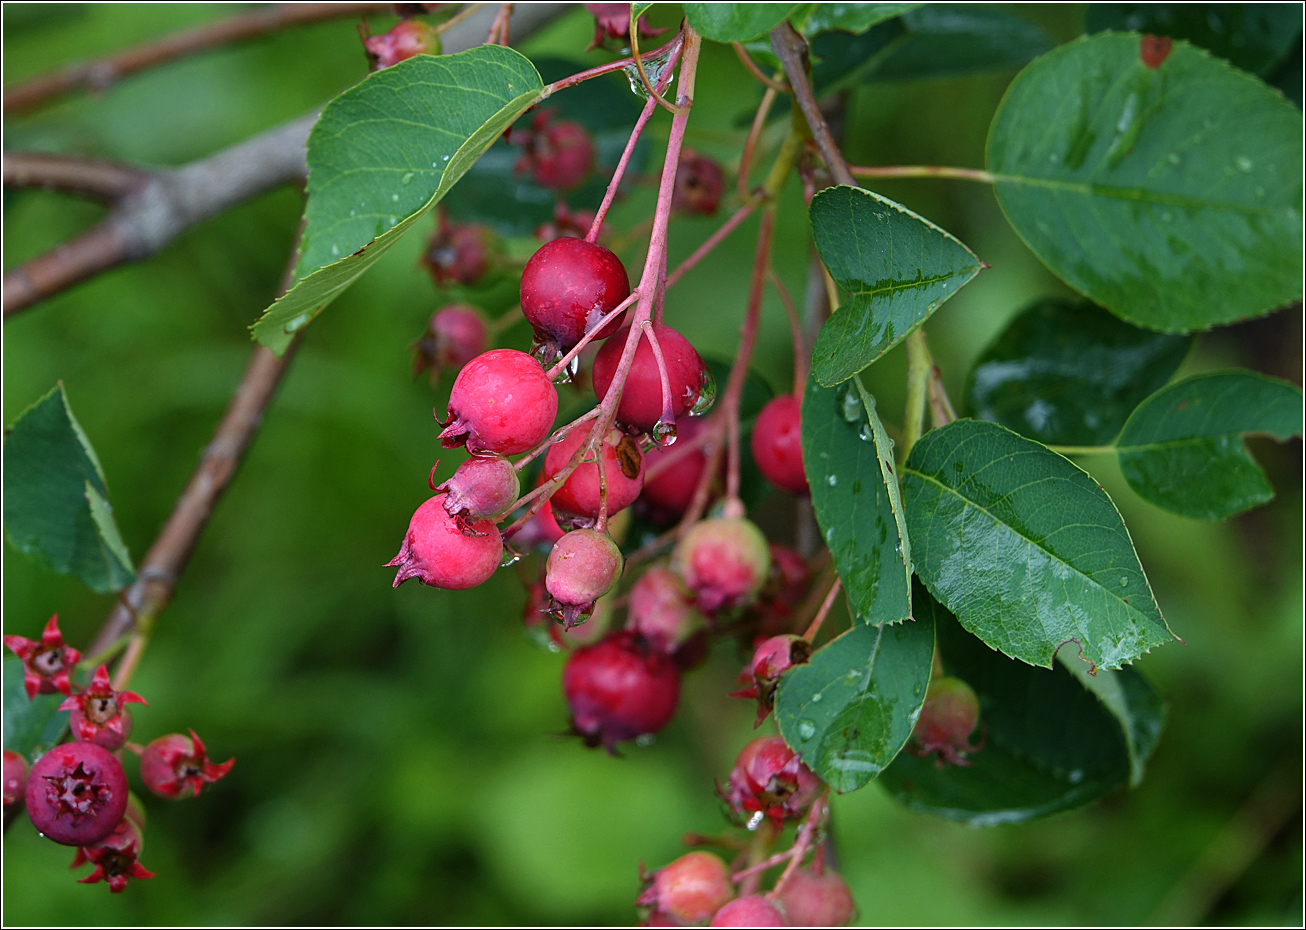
<point>583,566</point>
<point>753,910</point>
<point>45,661</point>
<point>769,779</point>
<point>502,401</point>
<point>482,488</point>
<point>699,184</point>
<point>454,336</point>
<point>948,717</point>
<point>404,40</point>
<point>559,154</point>
<point>461,253</point>
<point>724,561</point>
<point>579,496</point>
<point>98,715</point>
<point>15,778</point>
<point>777,444</point>
<point>567,287</point>
<point>689,890</point>
<point>619,689</point>
<point>772,658</point>
<point>76,794</point>
<point>177,767</point>
<point>640,408</point>
<point>439,552</point>
<point>817,900</point>
<point>116,857</point>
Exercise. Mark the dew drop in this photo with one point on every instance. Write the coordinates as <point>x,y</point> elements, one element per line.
<point>352,212</point>
<point>644,740</point>
<point>1076,776</point>
<point>444,158</point>
<point>755,821</point>
<point>664,433</point>
<point>509,557</point>
<point>295,324</point>
<point>865,433</point>
<point>852,406</point>
<point>806,730</point>
<point>1244,163</point>
<point>394,197</point>
<point>1173,158</point>
<point>406,179</point>
<point>1123,581</point>
<point>831,480</point>
<point>335,249</point>
<point>706,395</point>
<point>816,698</point>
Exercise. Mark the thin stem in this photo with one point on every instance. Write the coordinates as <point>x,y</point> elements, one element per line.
<point>713,241</point>
<point>923,171</point>
<point>772,84</point>
<point>589,337</point>
<point>747,338</point>
<point>664,379</point>
<point>557,435</point>
<point>806,834</point>
<point>801,359</point>
<point>919,365</point>
<point>103,180</point>
<point>791,48</point>
<point>462,14</point>
<point>750,144</point>
<point>941,411</point>
<point>599,70</point>
<point>815,626</point>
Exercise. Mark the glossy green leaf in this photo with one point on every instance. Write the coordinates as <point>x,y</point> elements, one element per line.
<point>1253,36</point>
<point>55,502</point>
<point>896,267</point>
<point>851,709</point>
<point>1171,195</point>
<point>849,464</point>
<point>1068,373</point>
<point>1025,548</point>
<point>1047,743</point>
<point>382,154</point>
<point>30,727</point>
<point>735,22</point>
<point>1182,449</point>
<point>854,18</point>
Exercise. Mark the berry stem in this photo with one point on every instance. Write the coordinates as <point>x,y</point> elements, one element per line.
<point>653,92</point>
<point>619,65</point>
<point>923,171</point>
<point>747,338</point>
<point>668,416</point>
<point>747,61</point>
<point>815,626</point>
<point>498,34</point>
<point>556,436</point>
<point>750,144</point>
<point>585,340</point>
<point>941,412</point>
<point>729,226</point>
<point>806,834</point>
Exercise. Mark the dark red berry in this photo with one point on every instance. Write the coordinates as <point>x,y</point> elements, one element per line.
<point>699,184</point>
<point>404,40</point>
<point>437,551</point>
<point>15,778</point>
<point>619,689</point>
<point>669,489</point>
<point>724,561</point>
<point>566,222</point>
<point>948,717</point>
<point>579,495</point>
<point>45,661</point>
<point>641,400</point>
<point>753,910</point>
<point>813,900</point>
<point>567,287</point>
<point>454,336</point>
<point>771,659</point>
<point>612,22</point>
<point>777,444</point>
<point>559,154</point>
<point>769,779</point>
<point>98,715</point>
<point>482,488</point>
<point>502,401</point>
<point>116,857</point>
<point>689,890</point>
<point>76,794</point>
<point>176,766</point>
<point>662,610</point>
<point>583,566</point>
<point>461,253</point>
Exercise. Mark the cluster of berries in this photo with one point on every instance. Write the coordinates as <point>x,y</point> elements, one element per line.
<point>76,794</point>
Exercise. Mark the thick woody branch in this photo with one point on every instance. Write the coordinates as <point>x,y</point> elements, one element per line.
<point>102,180</point>
<point>791,49</point>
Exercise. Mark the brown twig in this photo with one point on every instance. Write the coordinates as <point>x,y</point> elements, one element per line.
<point>791,48</point>
<point>92,177</point>
<point>97,75</point>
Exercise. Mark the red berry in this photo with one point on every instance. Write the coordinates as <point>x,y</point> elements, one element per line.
<point>769,779</point>
<point>98,715</point>
<point>559,154</point>
<point>404,40</point>
<point>579,495</point>
<point>619,689</point>
<point>689,890</point>
<point>454,336</point>
<point>813,900</point>
<point>723,561</point>
<point>699,184</point>
<point>566,222</point>
<point>567,287</point>
<point>116,857</point>
<point>612,21</point>
<point>753,910</point>
<point>438,552</point>
<point>45,661</point>
<point>461,253</point>
<point>662,610</point>
<point>482,488</point>
<point>176,767</point>
<point>669,491</point>
<point>948,717</point>
<point>778,444</point>
<point>15,778</point>
<point>772,658</point>
<point>76,794</point>
<point>641,400</point>
<point>502,402</point>
<point>583,566</point>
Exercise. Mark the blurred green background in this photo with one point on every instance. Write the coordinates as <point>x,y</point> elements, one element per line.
<point>397,752</point>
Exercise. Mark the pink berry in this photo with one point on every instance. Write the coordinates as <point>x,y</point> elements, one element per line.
<point>98,715</point>
<point>176,766</point>
<point>404,40</point>
<point>579,495</point>
<point>454,336</point>
<point>771,659</point>
<point>15,778</point>
<point>502,401</point>
<point>461,253</point>
<point>777,444</point>
<point>583,566</point>
<point>948,717</point>
<point>699,184</point>
<point>116,857</point>
<point>662,610</point>
<point>723,561</point>
<point>641,400</point>
<point>438,552</point>
<point>559,154</point>
<point>689,890</point>
<point>612,22</point>
<point>482,488</point>
<point>769,779</point>
<point>669,489</point>
<point>619,689</point>
<point>753,910</point>
<point>76,794</point>
<point>567,287</point>
<point>813,900</point>
<point>45,661</point>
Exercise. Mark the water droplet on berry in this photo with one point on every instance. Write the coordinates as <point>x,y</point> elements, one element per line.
<point>706,395</point>
<point>806,730</point>
<point>664,433</point>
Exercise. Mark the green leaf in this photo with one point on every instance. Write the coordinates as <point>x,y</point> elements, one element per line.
<point>1025,548</point>
<point>1048,744</point>
<point>849,464</point>
<point>1253,36</point>
<point>851,709</point>
<point>1182,448</point>
<point>853,18</point>
<point>897,268</point>
<point>1067,373</point>
<point>56,505</point>
<point>30,727</point>
<point>947,40</point>
<point>382,154</point>
<point>735,22</point>
<point>1169,195</point>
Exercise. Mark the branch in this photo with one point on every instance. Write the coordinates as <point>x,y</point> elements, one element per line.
<point>791,48</point>
<point>102,180</point>
<point>97,75</point>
